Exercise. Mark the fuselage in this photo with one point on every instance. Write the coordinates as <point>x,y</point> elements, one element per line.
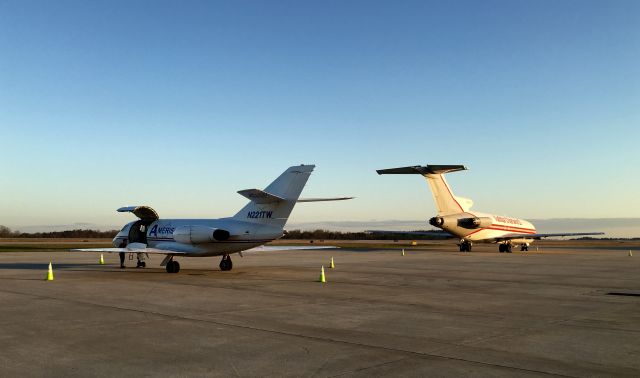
<point>482,227</point>
<point>162,234</point>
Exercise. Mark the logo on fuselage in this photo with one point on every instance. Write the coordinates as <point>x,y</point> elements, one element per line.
<point>259,214</point>
<point>163,231</point>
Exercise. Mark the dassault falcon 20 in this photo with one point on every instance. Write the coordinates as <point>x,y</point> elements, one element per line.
<point>455,217</point>
<point>262,220</point>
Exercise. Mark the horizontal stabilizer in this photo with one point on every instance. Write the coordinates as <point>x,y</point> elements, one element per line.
<point>324,199</point>
<point>260,196</point>
<point>422,170</point>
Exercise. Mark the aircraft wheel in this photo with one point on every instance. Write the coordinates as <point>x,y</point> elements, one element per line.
<point>461,247</point>
<point>508,248</point>
<point>225,263</point>
<point>173,267</point>
<point>501,248</point>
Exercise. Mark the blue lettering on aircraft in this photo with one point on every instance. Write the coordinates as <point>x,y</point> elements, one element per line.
<point>259,214</point>
<point>163,231</point>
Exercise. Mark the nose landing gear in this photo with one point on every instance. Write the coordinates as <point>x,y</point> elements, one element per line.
<point>226,263</point>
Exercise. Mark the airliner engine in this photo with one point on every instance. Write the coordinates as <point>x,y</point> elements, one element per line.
<point>477,222</point>
<point>199,234</point>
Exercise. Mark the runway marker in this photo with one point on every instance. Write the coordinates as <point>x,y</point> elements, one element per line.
<point>101,259</point>
<point>331,264</point>
<point>402,251</point>
<point>630,254</point>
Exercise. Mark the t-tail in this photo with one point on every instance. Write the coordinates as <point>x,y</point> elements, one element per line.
<point>273,205</point>
<point>446,202</point>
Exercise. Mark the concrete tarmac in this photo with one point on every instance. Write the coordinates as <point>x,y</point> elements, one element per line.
<point>429,313</point>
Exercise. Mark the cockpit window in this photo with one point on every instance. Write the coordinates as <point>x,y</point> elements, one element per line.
<point>124,228</point>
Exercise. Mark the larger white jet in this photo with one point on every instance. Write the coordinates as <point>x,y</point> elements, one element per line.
<point>262,220</point>
<point>455,215</point>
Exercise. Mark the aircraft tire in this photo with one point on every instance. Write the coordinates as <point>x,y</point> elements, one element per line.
<point>173,267</point>
<point>501,248</point>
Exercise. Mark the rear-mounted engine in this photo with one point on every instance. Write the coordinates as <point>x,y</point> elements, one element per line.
<point>199,234</point>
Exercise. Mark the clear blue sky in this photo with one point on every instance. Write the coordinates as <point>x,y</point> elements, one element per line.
<point>178,104</point>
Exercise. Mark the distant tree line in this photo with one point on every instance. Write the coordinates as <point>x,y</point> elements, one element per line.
<point>6,232</point>
<point>339,235</point>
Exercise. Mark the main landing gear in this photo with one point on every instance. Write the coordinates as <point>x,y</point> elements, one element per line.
<point>504,247</point>
<point>524,248</point>
<point>173,266</point>
<point>465,246</point>
<point>226,263</point>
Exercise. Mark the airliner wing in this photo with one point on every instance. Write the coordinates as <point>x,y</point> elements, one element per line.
<point>541,236</point>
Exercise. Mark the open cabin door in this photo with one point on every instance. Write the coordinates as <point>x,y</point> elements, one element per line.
<point>138,230</point>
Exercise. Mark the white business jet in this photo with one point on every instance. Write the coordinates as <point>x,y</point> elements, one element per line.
<point>455,217</point>
<point>262,220</point>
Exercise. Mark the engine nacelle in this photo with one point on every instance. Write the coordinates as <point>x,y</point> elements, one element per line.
<point>436,221</point>
<point>476,222</point>
<point>199,234</point>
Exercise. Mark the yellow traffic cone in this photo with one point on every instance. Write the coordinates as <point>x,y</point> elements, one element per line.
<point>402,251</point>
<point>331,264</point>
<point>50,273</point>
<point>322,279</point>
<point>630,254</point>
<point>101,259</point>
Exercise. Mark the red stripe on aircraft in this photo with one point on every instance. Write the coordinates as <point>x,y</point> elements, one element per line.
<point>451,194</point>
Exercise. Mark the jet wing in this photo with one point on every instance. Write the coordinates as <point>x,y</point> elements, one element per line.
<point>265,248</point>
<point>131,248</point>
<point>541,236</point>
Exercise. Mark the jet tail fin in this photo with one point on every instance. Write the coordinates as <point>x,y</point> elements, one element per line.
<point>446,202</point>
<point>273,205</point>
